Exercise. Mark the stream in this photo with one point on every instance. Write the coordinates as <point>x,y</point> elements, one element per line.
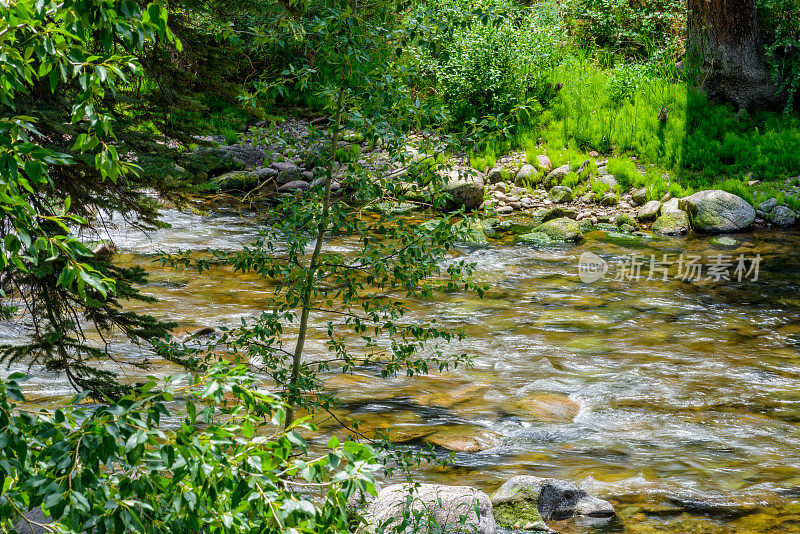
<point>677,401</point>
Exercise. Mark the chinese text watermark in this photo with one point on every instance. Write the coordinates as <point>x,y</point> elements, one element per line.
<point>686,267</point>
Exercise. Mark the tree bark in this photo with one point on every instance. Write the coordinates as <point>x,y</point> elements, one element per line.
<point>725,51</point>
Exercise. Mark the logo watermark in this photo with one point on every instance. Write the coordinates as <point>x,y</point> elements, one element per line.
<point>686,267</point>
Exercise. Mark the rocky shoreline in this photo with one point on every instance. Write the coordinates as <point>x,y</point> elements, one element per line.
<point>511,193</point>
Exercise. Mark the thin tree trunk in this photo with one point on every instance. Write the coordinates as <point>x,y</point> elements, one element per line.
<point>322,228</point>
<point>725,51</point>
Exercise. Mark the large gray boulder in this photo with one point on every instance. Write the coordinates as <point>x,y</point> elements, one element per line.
<point>526,502</point>
<point>451,509</point>
<point>465,189</point>
<point>717,211</point>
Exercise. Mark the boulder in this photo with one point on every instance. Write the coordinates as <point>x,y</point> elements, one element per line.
<point>527,174</point>
<point>768,205</point>
<point>544,163</point>
<point>672,223</point>
<point>560,194</point>
<point>556,175</point>
<point>557,212</point>
<point>649,211</point>
<point>287,172</point>
<point>247,154</point>
<point>293,187</point>
<point>717,211</point>
<point>237,181</point>
<point>639,196</point>
<point>451,509</point>
<point>670,205</point>
<point>497,175</point>
<point>464,187</point>
<point>526,502</point>
<point>609,199</point>
<point>561,229</point>
<point>35,522</point>
<point>781,216</point>
<point>535,238</point>
<point>625,219</point>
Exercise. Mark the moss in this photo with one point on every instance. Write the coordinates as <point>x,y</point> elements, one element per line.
<point>519,515</point>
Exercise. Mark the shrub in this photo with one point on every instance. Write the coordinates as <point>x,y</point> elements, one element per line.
<point>490,64</point>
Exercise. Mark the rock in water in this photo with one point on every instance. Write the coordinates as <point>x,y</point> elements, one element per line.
<point>717,211</point>
<point>526,502</point>
<point>549,407</point>
<point>534,238</point>
<point>672,223</point>
<point>781,216</point>
<point>451,508</point>
<point>561,229</point>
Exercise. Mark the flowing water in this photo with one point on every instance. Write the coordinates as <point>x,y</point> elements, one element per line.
<point>678,401</point>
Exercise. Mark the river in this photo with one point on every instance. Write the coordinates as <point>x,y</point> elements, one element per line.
<point>686,393</point>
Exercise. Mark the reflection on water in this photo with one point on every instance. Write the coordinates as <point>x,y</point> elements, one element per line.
<point>677,401</point>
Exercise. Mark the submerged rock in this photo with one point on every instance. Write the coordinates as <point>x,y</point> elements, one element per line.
<point>462,440</point>
<point>717,211</point>
<point>526,502</point>
<point>549,407</point>
<point>452,509</point>
<point>725,241</point>
<point>561,229</point>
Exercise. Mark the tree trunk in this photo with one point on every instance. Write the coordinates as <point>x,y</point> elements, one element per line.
<point>724,50</point>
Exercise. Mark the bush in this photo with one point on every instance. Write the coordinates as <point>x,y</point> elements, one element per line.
<point>490,64</point>
<point>226,466</point>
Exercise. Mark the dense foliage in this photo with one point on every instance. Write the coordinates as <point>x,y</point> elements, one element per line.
<point>223,464</point>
